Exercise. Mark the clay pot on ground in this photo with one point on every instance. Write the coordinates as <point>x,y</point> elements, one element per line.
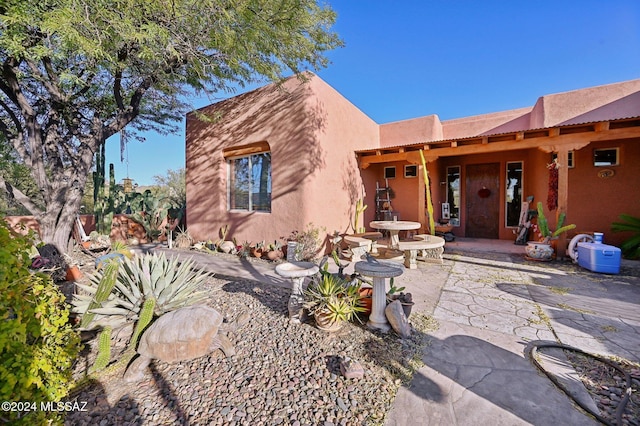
<point>366,294</point>
<point>256,252</point>
<point>274,254</point>
<point>73,273</point>
<point>325,323</point>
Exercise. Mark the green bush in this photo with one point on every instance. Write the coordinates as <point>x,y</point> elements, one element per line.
<point>37,344</point>
<point>631,246</point>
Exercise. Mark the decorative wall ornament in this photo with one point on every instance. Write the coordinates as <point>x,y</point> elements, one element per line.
<point>484,192</point>
<point>606,173</point>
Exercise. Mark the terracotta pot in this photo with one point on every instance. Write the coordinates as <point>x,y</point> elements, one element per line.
<point>73,273</point>
<point>323,322</point>
<point>256,252</point>
<point>366,294</point>
<point>274,254</point>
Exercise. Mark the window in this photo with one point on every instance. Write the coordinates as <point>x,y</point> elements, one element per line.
<point>390,172</point>
<point>605,157</point>
<point>410,171</point>
<point>453,194</point>
<point>250,182</point>
<point>570,160</point>
<point>513,184</point>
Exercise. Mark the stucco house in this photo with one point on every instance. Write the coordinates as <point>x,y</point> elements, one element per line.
<point>275,159</point>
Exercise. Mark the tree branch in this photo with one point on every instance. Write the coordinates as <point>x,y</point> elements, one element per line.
<point>17,195</point>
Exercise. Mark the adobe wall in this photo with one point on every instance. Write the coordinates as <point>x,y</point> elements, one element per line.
<point>599,201</point>
<point>312,132</point>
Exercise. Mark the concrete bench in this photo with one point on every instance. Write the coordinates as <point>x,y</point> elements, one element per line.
<point>358,246</point>
<point>429,246</point>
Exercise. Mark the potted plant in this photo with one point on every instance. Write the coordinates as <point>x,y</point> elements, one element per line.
<point>542,249</point>
<point>397,293</point>
<point>257,250</point>
<point>332,301</point>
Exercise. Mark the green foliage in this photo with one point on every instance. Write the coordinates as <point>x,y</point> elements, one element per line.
<point>309,242</point>
<point>631,246</point>
<point>37,344</point>
<point>146,315</point>
<point>171,283</point>
<point>82,71</point>
<point>173,187</point>
<point>104,351</point>
<point>333,296</point>
<point>151,212</point>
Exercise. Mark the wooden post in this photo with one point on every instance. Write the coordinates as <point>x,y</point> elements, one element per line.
<point>422,216</point>
<point>563,195</point>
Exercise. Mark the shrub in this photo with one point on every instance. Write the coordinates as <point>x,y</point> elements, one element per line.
<point>631,246</point>
<point>37,344</point>
<point>309,242</point>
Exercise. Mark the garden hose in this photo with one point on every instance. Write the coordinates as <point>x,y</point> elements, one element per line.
<point>532,350</point>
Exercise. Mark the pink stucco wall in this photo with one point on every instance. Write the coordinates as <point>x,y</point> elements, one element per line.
<point>313,133</point>
<point>403,132</point>
<point>607,102</point>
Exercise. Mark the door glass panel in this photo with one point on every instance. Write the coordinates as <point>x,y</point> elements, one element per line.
<point>453,194</point>
<point>513,198</point>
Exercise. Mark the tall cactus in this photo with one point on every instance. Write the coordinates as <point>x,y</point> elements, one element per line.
<point>360,208</point>
<point>107,282</point>
<point>104,351</point>
<point>98,190</point>
<point>145,317</point>
<point>109,202</point>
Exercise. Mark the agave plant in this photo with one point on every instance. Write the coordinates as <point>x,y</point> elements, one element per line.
<point>173,284</point>
<point>333,296</point>
<point>631,246</point>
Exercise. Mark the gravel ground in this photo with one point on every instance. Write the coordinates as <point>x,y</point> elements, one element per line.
<point>283,373</point>
<point>607,386</point>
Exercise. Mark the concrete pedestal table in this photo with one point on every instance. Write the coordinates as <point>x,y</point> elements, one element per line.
<point>394,227</point>
<point>296,271</point>
<point>379,271</point>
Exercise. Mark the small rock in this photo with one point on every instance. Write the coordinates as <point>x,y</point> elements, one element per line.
<point>351,369</point>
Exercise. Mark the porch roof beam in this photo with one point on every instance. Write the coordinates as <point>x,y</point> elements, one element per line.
<point>546,143</point>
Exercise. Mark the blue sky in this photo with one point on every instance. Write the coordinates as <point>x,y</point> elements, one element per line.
<point>405,59</point>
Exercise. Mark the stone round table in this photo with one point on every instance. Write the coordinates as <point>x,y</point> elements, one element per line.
<point>394,227</point>
<point>379,271</point>
<point>297,272</point>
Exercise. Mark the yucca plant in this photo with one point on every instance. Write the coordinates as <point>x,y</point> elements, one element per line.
<point>173,284</point>
<point>631,246</point>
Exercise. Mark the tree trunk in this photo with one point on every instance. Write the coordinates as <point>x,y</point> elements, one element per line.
<point>62,205</point>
